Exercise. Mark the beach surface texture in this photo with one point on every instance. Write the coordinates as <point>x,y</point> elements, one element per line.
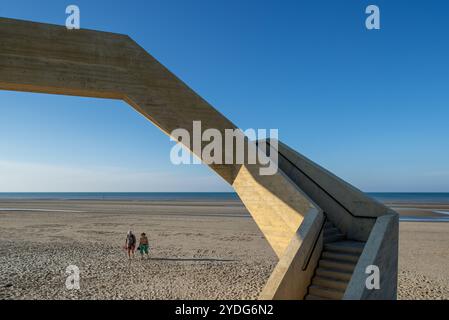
<point>198,250</point>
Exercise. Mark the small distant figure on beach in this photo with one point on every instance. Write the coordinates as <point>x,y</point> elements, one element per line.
<point>130,244</point>
<point>143,244</point>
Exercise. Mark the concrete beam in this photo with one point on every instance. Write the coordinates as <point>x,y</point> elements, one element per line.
<point>43,58</point>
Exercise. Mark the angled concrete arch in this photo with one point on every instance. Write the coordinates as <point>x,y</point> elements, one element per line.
<point>286,206</point>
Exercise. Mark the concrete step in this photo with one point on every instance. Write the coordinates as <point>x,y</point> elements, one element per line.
<point>328,224</point>
<point>333,238</point>
<point>330,231</point>
<point>312,297</point>
<point>334,274</point>
<point>354,247</point>
<point>329,283</point>
<point>326,292</point>
<point>337,265</point>
<point>345,257</point>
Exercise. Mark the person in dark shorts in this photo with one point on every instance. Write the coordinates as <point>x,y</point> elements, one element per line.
<point>143,244</point>
<point>130,244</point>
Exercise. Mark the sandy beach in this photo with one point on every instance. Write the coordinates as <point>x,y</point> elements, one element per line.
<point>199,250</point>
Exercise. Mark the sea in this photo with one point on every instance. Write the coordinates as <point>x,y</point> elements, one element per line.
<point>411,197</point>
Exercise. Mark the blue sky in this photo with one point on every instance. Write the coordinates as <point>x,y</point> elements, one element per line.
<point>371,106</point>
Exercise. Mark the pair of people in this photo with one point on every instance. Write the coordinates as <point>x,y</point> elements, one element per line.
<point>130,244</point>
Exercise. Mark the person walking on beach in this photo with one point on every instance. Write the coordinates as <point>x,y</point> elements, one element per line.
<point>143,244</point>
<point>130,244</point>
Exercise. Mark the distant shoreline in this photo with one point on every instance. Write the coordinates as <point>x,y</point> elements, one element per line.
<point>390,198</point>
<point>412,207</point>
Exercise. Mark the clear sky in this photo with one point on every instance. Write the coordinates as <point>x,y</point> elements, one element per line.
<point>371,106</point>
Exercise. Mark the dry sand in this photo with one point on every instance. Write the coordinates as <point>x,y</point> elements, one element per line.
<point>424,260</point>
<point>199,250</point>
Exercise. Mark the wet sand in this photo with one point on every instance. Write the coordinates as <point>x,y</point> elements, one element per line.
<point>425,210</point>
<point>199,250</point>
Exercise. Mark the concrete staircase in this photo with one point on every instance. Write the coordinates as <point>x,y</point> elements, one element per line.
<point>336,265</point>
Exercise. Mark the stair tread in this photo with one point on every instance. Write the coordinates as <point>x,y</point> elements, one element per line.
<point>326,292</point>
<point>333,237</point>
<point>332,233</point>
<point>342,275</point>
<point>344,272</point>
<point>327,260</point>
<point>345,245</point>
<point>331,230</point>
<point>350,243</point>
<point>315,287</point>
<point>325,278</point>
<point>340,256</point>
<point>327,282</point>
<point>345,254</point>
<point>337,265</point>
<point>313,297</point>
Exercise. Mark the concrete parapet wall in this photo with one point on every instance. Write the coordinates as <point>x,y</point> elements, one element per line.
<point>292,275</point>
<point>381,250</point>
<point>348,208</point>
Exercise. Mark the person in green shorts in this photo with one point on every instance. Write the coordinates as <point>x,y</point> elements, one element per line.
<point>143,244</point>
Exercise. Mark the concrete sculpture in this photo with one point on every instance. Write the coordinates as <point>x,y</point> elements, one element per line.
<point>324,231</point>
